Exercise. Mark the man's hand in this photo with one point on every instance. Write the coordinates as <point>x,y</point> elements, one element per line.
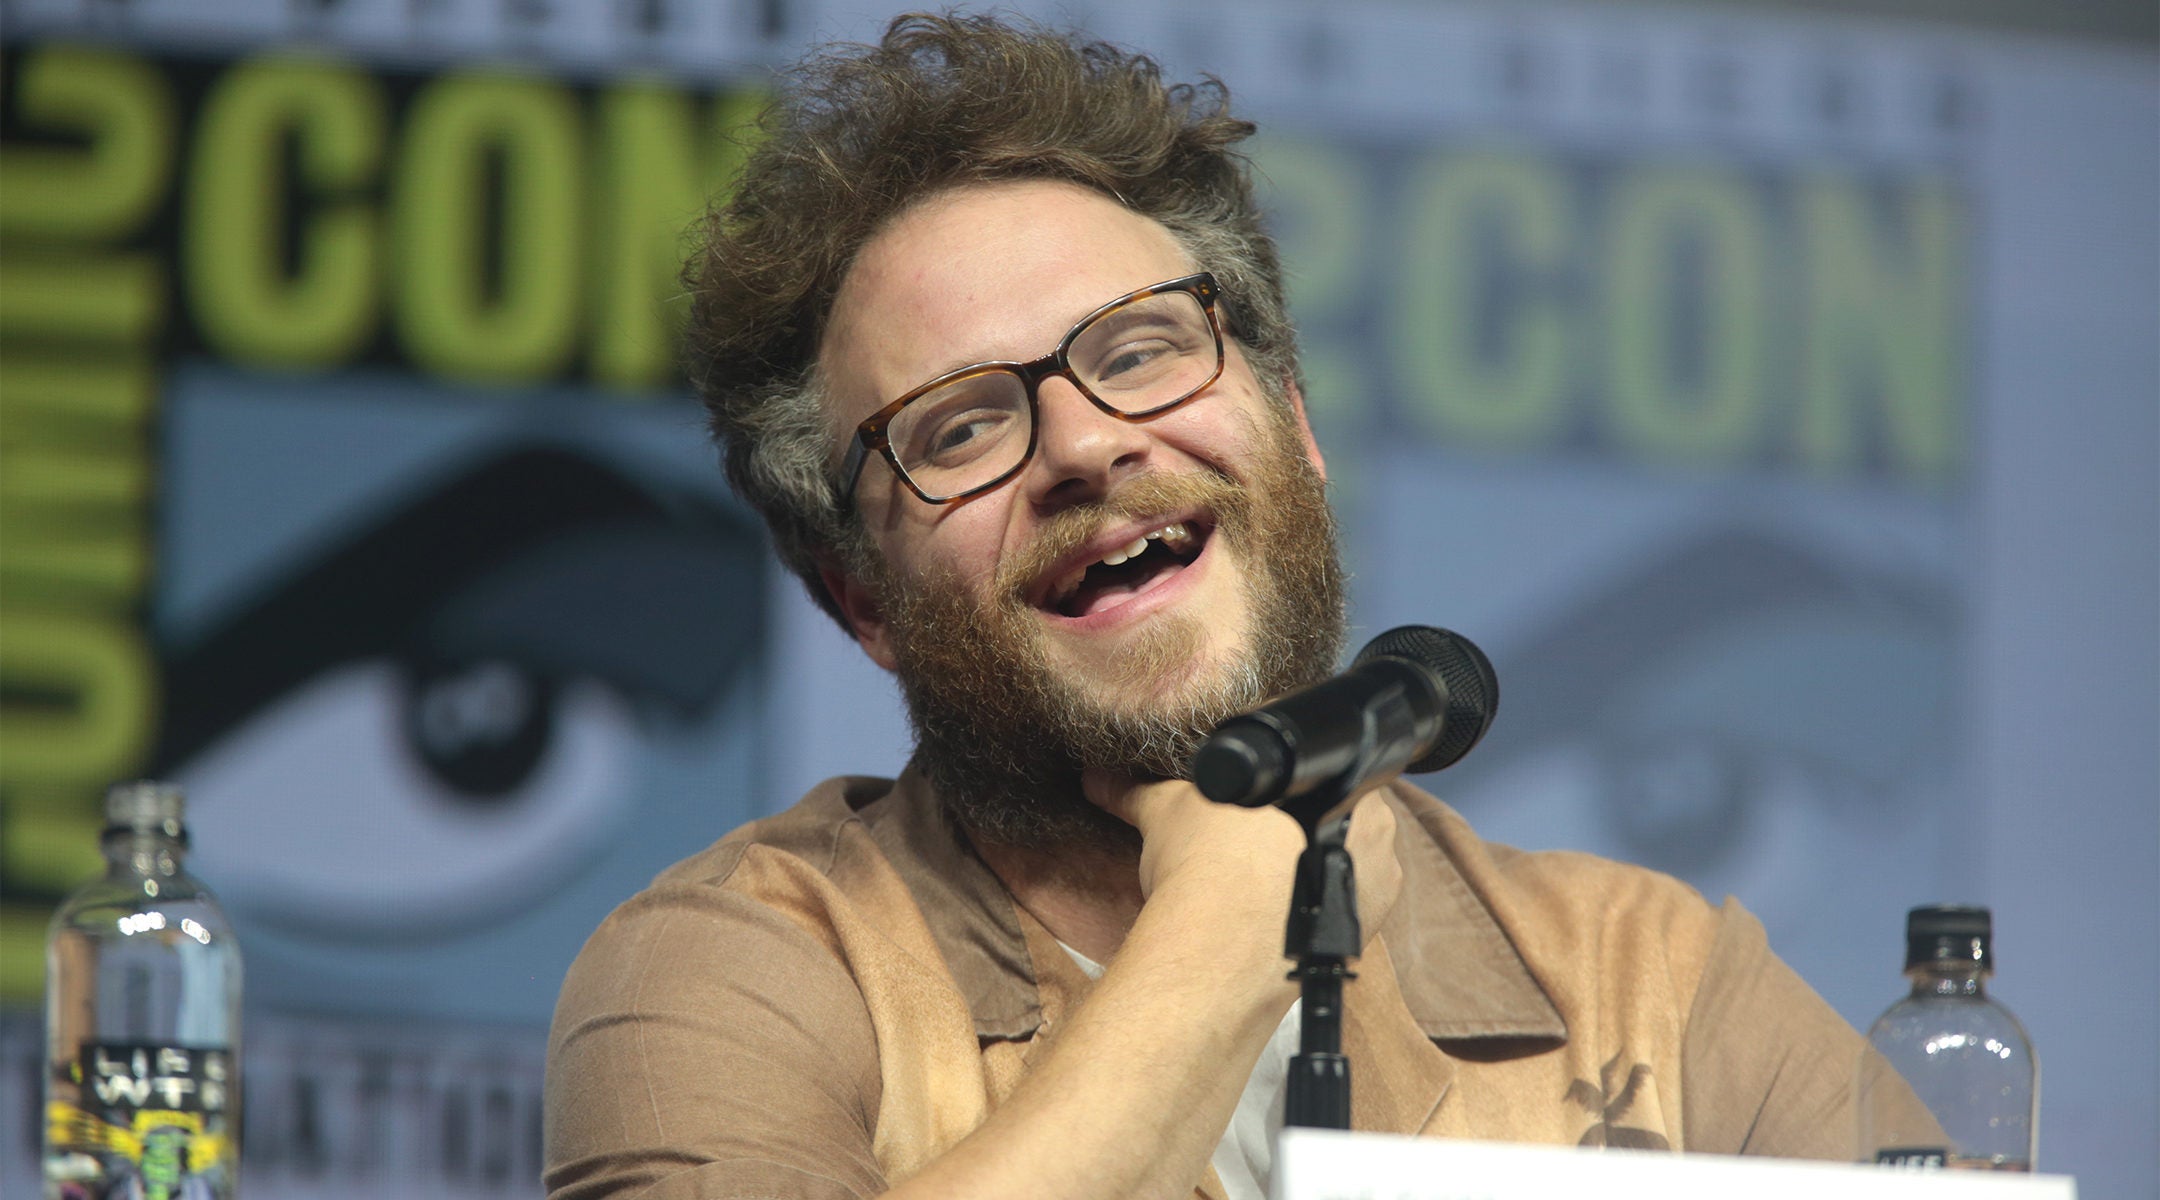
<point>1240,861</point>
<point>1192,995</point>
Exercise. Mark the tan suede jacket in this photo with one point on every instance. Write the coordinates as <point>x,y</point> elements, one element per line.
<point>827,999</point>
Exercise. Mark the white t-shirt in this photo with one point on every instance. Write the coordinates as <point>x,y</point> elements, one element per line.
<point>1245,1156</point>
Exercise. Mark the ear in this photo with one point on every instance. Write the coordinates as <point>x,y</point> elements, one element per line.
<point>862,613</point>
<point>1304,426</point>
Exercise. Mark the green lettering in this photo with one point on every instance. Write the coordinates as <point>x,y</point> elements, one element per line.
<point>76,481</point>
<point>106,189</point>
<point>74,398</point>
<point>97,704</point>
<point>1686,244</point>
<point>68,297</point>
<point>449,318</point>
<point>656,175</point>
<point>1479,334</point>
<point>39,565</point>
<point>63,479</point>
<point>1316,199</point>
<point>246,301</point>
<point>48,839</point>
<point>1882,325</point>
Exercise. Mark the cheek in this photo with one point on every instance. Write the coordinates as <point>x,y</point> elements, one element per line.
<point>959,543</point>
<point>1224,435</point>
<point>1231,419</point>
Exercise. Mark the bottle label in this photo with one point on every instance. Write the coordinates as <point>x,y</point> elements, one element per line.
<point>154,1116</point>
<point>1913,1158</point>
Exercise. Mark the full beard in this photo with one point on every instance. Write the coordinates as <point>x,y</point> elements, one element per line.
<point>1004,733</point>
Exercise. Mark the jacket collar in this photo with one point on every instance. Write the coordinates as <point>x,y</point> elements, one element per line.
<point>1457,975</point>
<point>973,918</point>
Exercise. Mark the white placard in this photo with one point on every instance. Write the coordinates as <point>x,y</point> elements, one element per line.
<point>1324,1165</point>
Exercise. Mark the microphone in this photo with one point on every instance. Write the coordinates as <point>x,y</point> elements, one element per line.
<point>1415,699</point>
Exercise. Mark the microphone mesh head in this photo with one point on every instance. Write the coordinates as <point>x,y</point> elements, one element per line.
<point>1473,689</point>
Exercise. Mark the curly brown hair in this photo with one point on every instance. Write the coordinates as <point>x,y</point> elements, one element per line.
<point>859,134</point>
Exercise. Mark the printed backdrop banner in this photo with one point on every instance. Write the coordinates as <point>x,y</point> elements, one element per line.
<point>351,481</point>
<point>355,491</point>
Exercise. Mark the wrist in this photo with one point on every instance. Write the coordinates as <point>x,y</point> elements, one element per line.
<point>1226,933</point>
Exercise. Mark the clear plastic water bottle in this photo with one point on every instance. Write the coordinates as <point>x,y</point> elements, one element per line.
<point>142,1020</point>
<point>1962,1054</point>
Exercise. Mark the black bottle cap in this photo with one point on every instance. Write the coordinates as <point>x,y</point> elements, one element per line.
<point>1950,933</point>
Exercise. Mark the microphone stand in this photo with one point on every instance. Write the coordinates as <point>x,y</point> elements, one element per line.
<point>1322,934</point>
<point>1390,711</point>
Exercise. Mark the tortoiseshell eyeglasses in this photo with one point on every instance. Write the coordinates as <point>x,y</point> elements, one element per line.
<point>971,429</point>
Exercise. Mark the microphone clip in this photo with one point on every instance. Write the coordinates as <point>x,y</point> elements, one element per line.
<point>1323,934</point>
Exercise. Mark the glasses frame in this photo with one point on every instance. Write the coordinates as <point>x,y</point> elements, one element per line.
<point>871,433</point>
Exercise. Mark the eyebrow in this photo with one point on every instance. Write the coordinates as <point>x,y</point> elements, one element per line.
<point>1065,327</point>
<point>962,364</point>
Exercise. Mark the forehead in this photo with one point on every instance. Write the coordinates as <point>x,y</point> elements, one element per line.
<point>983,272</point>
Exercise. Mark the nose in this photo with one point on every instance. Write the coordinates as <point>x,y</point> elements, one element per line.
<point>1080,450</point>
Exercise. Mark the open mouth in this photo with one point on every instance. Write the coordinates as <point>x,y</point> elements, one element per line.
<point>1128,570</point>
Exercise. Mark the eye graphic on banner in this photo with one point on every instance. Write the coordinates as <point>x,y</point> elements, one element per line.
<point>1734,686</point>
<point>438,718</point>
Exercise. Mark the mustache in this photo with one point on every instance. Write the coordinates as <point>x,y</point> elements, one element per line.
<point>1226,505</point>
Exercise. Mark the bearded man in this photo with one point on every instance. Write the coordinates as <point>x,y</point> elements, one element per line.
<point>993,338</point>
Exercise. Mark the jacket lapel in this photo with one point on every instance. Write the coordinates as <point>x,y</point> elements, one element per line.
<point>1439,973</point>
<point>977,926</point>
<point>1397,1075</point>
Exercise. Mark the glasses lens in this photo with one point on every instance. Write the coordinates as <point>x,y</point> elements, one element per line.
<point>1148,353</point>
<point>962,434</point>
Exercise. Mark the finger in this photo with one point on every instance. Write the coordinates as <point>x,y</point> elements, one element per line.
<point>1135,802</point>
<point>1372,826</point>
<point>1112,792</point>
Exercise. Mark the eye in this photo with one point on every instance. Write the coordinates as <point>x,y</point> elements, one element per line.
<point>1142,344</point>
<point>954,436</point>
<point>483,784</point>
<point>442,722</point>
<point>1138,362</point>
<point>959,423</point>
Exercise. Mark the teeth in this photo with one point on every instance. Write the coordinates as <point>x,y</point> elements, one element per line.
<point>1175,536</point>
<point>1138,547</point>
